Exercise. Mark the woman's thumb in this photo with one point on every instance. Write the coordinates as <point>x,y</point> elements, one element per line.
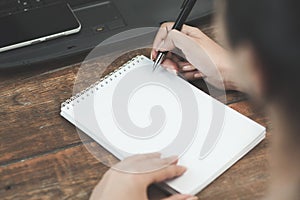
<point>181,197</point>
<point>167,173</point>
<point>174,39</point>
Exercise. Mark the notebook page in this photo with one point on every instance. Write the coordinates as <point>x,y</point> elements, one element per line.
<point>95,115</point>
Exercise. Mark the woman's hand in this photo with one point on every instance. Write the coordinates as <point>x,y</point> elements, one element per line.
<point>126,180</point>
<point>205,57</point>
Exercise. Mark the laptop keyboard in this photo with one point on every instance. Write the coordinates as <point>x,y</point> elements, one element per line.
<point>9,7</point>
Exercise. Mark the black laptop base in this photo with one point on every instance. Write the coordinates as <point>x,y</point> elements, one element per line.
<point>100,20</point>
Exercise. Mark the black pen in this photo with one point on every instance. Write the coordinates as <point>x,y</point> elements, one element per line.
<point>186,7</point>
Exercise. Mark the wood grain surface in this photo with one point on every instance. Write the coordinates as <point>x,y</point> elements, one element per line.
<point>43,157</point>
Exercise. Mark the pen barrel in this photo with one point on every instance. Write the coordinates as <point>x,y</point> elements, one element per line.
<point>185,12</point>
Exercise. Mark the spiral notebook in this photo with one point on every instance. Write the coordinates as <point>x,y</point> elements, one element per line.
<point>135,110</point>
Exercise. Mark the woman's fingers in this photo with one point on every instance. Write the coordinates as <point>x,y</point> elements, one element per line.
<point>181,197</point>
<point>187,67</point>
<point>192,75</point>
<point>166,173</point>
<point>153,55</point>
<point>159,40</point>
<point>188,71</point>
<point>167,27</point>
<point>143,170</point>
<point>167,168</point>
<point>163,42</point>
<point>185,29</point>
<point>170,65</point>
<point>177,39</point>
<point>172,160</point>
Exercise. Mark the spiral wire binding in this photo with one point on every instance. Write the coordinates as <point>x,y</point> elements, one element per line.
<point>101,83</point>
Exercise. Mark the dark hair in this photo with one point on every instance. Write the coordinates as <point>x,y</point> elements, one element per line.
<point>272,27</point>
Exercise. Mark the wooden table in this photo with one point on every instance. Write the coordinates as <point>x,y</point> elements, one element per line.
<point>42,156</point>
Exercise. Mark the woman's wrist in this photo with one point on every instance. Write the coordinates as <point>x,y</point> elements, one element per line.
<point>227,71</point>
<point>231,85</point>
<point>228,77</point>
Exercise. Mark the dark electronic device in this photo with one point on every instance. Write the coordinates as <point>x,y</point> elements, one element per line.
<point>99,19</point>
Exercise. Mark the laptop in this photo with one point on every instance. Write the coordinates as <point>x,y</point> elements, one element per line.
<point>94,21</point>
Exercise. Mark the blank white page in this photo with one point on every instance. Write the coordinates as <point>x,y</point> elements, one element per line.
<point>206,156</point>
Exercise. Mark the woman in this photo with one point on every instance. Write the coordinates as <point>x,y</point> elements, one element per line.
<point>263,60</point>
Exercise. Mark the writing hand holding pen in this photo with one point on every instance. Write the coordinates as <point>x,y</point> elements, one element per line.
<point>192,41</point>
<point>186,9</point>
